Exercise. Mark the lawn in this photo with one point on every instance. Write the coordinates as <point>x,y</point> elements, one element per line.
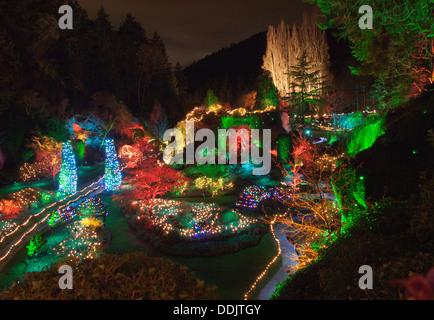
<point>233,273</point>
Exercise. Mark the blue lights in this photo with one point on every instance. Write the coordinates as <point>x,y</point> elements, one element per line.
<point>113,176</point>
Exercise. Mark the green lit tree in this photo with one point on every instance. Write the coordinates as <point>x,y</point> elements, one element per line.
<point>399,49</point>
<point>35,245</point>
<point>210,98</point>
<point>267,92</point>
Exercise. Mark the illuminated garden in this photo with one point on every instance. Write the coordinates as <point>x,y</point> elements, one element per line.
<point>272,169</point>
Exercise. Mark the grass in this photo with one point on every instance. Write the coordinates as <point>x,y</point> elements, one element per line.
<point>14,268</point>
<point>228,200</point>
<point>232,273</point>
<point>85,174</point>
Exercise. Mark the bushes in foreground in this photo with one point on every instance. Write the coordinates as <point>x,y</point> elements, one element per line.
<point>115,277</point>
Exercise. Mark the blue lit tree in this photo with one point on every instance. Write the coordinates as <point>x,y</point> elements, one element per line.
<point>68,172</point>
<point>113,176</point>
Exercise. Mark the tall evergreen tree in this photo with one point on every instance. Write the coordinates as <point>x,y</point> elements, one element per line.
<point>285,46</point>
<point>130,37</point>
<point>307,86</point>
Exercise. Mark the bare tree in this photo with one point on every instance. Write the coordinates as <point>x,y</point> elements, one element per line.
<point>312,217</point>
<point>285,46</point>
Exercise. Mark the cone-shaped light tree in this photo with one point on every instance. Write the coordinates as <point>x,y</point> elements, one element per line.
<point>113,176</point>
<point>68,172</point>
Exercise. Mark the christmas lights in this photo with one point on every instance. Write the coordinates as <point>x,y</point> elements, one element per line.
<point>6,227</point>
<point>202,227</point>
<point>213,186</point>
<point>64,214</point>
<point>198,113</point>
<point>205,219</point>
<point>262,275</point>
<point>113,176</point>
<point>68,172</point>
<point>253,195</point>
<point>81,243</point>
<point>92,207</point>
<point>91,222</point>
<point>89,189</point>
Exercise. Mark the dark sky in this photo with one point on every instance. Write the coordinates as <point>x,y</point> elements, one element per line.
<point>191,29</point>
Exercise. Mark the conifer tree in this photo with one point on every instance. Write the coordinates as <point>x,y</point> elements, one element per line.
<point>307,86</point>
<point>285,46</point>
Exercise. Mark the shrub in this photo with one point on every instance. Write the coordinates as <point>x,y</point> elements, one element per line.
<point>388,238</point>
<point>364,136</point>
<point>131,276</point>
<point>91,222</point>
<point>10,208</point>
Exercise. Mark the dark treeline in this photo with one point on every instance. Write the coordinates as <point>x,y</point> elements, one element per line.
<point>48,74</point>
<point>230,72</point>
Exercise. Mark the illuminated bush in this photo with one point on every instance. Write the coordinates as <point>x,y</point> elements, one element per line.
<point>30,172</point>
<point>348,121</point>
<point>365,135</point>
<point>91,222</point>
<point>10,208</point>
<point>35,245</point>
<point>68,173</point>
<point>92,207</point>
<point>214,187</point>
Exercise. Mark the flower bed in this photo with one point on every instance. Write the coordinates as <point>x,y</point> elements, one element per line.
<point>73,241</point>
<point>194,229</point>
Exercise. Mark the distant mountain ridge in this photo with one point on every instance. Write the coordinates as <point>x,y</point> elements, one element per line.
<point>229,72</point>
<point>234,70</point>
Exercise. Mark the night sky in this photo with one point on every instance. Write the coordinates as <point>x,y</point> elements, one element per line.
<point>191,29</point>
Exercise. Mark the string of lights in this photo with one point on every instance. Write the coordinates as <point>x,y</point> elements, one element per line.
<point>40,222</point>
<point>216,108</point>
<point>68,173</point>
<point>205,218</point>
<point>262,275</point>
<point>45,209</point>
<point>113,176</point>
<point>251,196</point>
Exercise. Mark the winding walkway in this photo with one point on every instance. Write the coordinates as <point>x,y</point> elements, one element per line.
<point>289,257</point>
<point>17,239</point>
<point>288,260</point>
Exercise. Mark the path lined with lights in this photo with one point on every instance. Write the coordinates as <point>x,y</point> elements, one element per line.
<point>289,256</point>
<point>94,188</point>
<point>8,251</point>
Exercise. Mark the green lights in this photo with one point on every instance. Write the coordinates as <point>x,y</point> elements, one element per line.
<point>68,172</point>
<point>113,176</point>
